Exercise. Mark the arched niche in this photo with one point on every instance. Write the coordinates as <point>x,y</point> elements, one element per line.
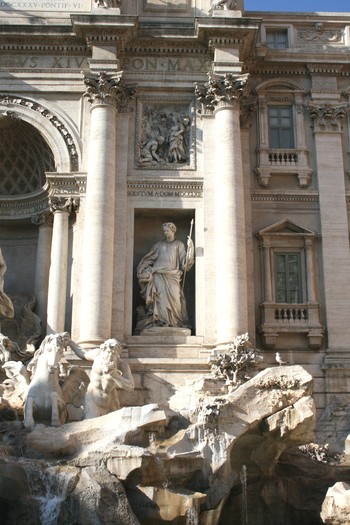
<point>56,129</point>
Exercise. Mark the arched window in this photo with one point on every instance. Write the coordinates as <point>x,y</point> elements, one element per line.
<point>281,133</point>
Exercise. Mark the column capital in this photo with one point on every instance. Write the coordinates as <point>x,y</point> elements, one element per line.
<point>43,219</point>
<point>105,90</point>
<point>326,116</point>
<point>221,92</point>
<point>63,204</point>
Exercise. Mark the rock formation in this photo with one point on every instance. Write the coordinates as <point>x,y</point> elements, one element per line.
<point>157,465</point>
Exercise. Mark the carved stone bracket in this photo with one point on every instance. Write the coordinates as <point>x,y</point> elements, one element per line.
<point>63,204</point>
<point>106,90</point>
<point>220,92</point>
<point>326,117</point>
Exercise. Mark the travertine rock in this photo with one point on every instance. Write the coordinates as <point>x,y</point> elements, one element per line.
<point>336,506</point>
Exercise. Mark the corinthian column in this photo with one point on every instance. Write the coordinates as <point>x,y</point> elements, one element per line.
<point>56,303</point>
<point>107,95</point>
<point>222,96</point>
<point>42,268</point>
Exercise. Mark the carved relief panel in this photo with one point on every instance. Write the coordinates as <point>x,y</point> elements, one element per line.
<point>165,134</point>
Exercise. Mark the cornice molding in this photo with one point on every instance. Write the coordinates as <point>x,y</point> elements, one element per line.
<point>181,188</point>
<point>64,184</point>
<point>26,206</point>
<point>292,197</point>
<point>262,68</point>
<point>325,69</point>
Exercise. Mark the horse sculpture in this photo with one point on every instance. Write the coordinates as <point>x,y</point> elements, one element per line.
<point>45,398</point>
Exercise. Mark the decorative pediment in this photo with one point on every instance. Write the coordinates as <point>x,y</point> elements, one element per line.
<point>286,226</point>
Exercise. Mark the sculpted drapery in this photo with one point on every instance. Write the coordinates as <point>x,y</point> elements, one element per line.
<point>160,274</point>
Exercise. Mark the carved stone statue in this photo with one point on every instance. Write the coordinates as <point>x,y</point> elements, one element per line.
<point>108,3</point>
<point>159,274</point>
<point>223,4</point>
<point>108,374</point>
<point>44,398</point>
<point>6,306</point>
<point>49,392</point>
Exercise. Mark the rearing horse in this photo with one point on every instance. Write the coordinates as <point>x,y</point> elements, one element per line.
<point>44,398</point>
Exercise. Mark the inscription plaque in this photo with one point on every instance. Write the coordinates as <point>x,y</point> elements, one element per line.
<point>46,5</point>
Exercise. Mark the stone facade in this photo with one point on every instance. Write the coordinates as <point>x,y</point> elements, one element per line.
<point>116,117</point>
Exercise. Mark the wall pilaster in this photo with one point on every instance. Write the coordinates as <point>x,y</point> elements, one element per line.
<point>334,226</point>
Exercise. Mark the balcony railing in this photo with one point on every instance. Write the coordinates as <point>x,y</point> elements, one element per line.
<point>282,162</point>
<point>283,158</point>
<point>287,318</point>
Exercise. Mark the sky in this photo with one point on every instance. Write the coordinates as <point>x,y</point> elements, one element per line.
<point>310,6</point>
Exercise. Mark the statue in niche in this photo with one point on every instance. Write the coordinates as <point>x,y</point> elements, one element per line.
<point>6,306</point>
<point>229,5</point>
<point>160,275</point>
<point>164,137</point>
<point>108,374</point>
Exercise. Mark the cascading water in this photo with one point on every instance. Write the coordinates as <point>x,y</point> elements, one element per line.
<point>48,485</point>
<point>192,517</point>
<point>243,476</point>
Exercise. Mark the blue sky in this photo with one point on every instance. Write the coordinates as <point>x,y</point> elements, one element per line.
<point>298,5</point>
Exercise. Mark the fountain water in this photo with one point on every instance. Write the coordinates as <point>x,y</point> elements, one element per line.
<point>243,477</point>
<point>48,485</point>
<point>192,517</point>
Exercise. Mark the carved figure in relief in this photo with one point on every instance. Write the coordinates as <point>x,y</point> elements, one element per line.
<point>148,150</point>
<point>108,374</point>
<point>159,274</point>
<point>6,306</point>
<point>177,151</point>
<point>164,137</point>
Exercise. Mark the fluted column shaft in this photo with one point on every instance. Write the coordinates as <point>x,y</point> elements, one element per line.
<point>107,95</point>
<point>221,95</point>
<point>42,266</point>
<point>96,301</point>
<point>230,227</point>
<point>56,303</point>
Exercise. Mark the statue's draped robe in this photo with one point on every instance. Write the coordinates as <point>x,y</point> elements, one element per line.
<point>159,274</point>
